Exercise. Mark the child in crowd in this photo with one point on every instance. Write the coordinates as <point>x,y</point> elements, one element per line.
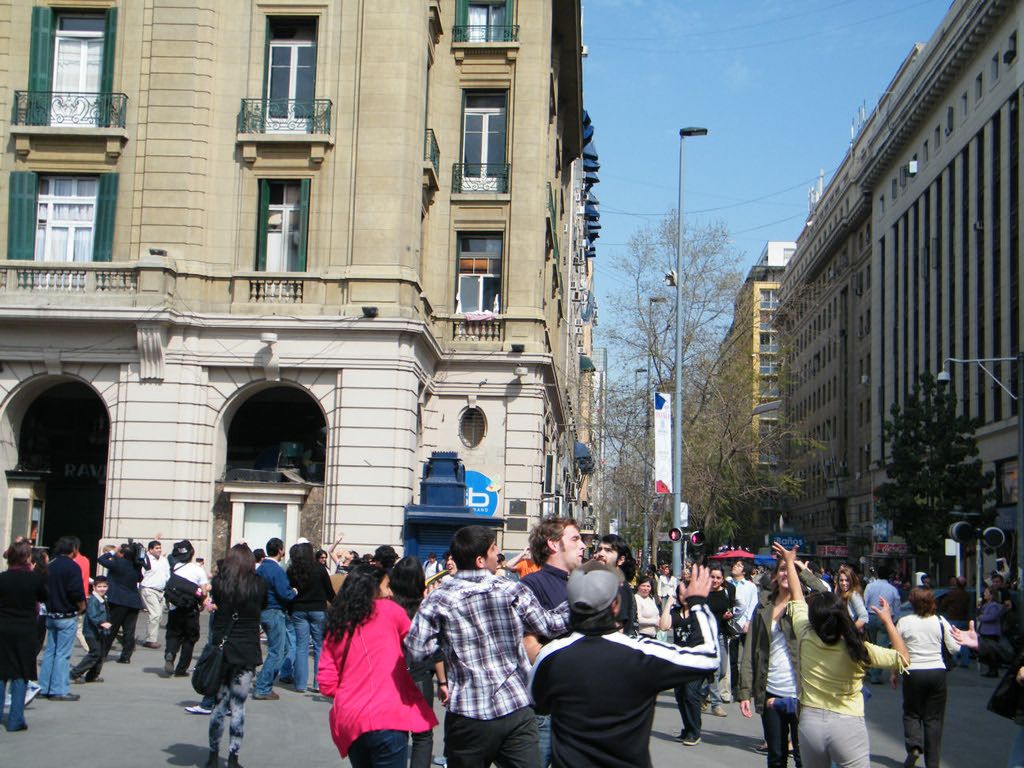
<point>95,629</point>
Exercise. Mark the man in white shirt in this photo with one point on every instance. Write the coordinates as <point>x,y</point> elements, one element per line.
<point>151,590</point>
<point>431,567</point>
<point>742,613</point>
<point>183,622</point>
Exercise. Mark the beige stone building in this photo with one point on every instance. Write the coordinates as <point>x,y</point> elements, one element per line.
<point>263,258</point>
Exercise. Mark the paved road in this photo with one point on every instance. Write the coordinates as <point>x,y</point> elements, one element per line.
<point>136,720</point>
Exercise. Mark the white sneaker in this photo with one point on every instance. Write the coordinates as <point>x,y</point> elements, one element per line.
<point>197,709</point>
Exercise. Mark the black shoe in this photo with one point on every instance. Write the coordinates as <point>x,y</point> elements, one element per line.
<point>181,673</point>
<point>77,680</point>
<point>168,666</point>
<point>286,680</point>
<point>233,761</point>
<point>22,727</point>
<point>64,697</point>
<point>912,756</point>
<point>124,661</point>
<point>212,761</point>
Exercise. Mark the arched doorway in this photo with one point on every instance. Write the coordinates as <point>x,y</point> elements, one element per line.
<point>274,467</point>
<point>57,487</point>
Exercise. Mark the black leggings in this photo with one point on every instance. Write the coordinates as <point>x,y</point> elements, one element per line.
<point>182,634</point>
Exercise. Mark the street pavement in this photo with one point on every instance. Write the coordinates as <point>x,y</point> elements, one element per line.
<point>136,719</point>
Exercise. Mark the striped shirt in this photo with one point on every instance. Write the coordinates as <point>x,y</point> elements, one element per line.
<point>478,621</point>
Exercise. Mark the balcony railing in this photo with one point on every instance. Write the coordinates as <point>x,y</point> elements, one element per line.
<point>72,110</point>
<point>477,330</point>
<point>480,177</point>
<point>285,116</point>
<point>486,33</point>
<point>430,150</point>
<point>275,291</point>
<point>103,279</point>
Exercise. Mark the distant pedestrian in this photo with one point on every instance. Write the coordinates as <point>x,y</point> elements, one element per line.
<point>238,596</point>
<point>66,601</point>
<point>313,593</point>
<point>183,608</point>
<point>279,596</point>
<point>151,590</point>
<point>431,567</point>
<point>21,592</point>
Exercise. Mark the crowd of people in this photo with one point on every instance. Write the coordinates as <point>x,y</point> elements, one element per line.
<point>507,646</point>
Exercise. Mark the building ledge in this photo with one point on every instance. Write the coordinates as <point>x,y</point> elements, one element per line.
<point>68,148</point>
<point>275,148</point>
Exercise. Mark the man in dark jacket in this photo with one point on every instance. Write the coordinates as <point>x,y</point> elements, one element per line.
<point>67,600</point>
<point>124,603</point>
<point>589,726</point>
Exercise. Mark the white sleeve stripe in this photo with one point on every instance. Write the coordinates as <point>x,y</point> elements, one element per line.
<point>703,657</point>
<point>547,650</point>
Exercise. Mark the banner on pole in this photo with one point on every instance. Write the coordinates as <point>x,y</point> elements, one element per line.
<point>662,443</point>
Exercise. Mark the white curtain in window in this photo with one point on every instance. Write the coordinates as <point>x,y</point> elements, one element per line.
<point>83,244</point>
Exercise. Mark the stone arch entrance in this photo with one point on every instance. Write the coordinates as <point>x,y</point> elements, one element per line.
<point>56,474</point>
<point>275,449</point>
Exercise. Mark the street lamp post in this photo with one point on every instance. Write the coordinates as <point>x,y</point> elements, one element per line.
<point>944,378</point>
<point>677,406</point>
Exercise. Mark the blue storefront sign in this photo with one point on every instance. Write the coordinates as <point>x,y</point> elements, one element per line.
<point>481,494</point>
<point>789,540</point>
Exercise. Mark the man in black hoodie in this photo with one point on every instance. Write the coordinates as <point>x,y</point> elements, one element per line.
<point>589,726</point>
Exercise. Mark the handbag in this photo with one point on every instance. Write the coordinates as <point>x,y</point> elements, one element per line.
<point>1006,698</point>
<point>947,657</point>
<point>208,673</point>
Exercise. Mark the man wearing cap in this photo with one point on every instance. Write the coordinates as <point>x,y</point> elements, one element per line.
<point>589,726</point>
<point>183,623</point>
<point>477,620</point>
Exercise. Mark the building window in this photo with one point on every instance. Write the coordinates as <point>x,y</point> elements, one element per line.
<point>483,144</point>
<point>479,288</point>
<point>290,81</point>
<point>472,427</point>
<point>979,87</point>
<point>61,218</point>
<point>283,226</point>
<point>66,215</point>
<point>71,62</point>
<point>484,21</point>
<point>769,298</point>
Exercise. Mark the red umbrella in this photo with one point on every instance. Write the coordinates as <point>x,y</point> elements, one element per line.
<point>732,554</point>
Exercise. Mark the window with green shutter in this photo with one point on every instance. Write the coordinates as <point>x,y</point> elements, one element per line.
<point>283,225</point>
<point>106,206</point>
<point>485,21</point>
<point>61,218</point>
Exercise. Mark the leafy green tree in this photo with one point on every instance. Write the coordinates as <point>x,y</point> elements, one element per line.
<point>933,468</point>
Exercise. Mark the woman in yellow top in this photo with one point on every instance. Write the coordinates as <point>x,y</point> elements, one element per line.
<point>833,659</point>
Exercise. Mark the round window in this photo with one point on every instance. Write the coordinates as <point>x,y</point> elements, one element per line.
<point>472,427</point>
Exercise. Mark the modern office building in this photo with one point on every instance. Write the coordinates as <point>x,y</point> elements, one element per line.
<point>263,258</point>
<point>911,255</point>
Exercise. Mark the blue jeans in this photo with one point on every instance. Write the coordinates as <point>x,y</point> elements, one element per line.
<point>544,739</point>
<point>878,635</point>
<point>380,749</point>
<point>288,665</point>
<point>1017,750</point>
<point>308,625</point>
<point>963,658</point>
<point>16,714</point>
<point>55,671</point>
<point>272,621</point>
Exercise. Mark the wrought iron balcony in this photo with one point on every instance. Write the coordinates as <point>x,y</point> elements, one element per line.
<point>66,109</point>
<point>430,150</point>
<point>285,116</point>
<point>480,177</point>
<point>486,33</point>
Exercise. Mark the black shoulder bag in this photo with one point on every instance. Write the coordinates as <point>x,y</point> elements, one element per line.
<point>209,671</point>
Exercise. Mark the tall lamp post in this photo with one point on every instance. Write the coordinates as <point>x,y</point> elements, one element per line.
<point>677,406</point>
<point>944,378</point>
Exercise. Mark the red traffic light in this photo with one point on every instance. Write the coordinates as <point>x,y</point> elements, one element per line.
<point>674,534</point>
<point>697,539</point>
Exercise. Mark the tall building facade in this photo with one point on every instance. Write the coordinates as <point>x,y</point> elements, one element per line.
<point>264,258</point>
<point>910,256</point>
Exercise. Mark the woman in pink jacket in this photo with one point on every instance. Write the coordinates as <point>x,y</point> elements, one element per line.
<point>376,702</point>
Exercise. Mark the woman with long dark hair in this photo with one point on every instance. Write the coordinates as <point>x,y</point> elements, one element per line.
<point>376,702</point>
<point>833,658</point>
<point>308,611</point>
<point>21,591</point>
<point>924,686</point>
<point>238,596</point>
<point>408,586</point>
<point>848,589</point>
<point>769,667</point>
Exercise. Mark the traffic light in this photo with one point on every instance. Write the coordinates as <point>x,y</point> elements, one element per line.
<point>962,532</point>
<point>674,534</point>
<point>697,539</point>
<point>993,537</point>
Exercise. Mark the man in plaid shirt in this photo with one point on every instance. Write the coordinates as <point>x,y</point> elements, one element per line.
<point>478,621</point>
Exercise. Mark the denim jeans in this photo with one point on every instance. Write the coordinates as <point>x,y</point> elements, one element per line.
<point>55,671</point>
<point>878,635</point>
<point>272,621</point>
<point>1017,750</point>
<point>308,625</point>
<point>16,714</point>
<point>780,728</point>
<point>688,700</point>
<point>287,668</point>
<point>380,749</point>
<point>544,739</point>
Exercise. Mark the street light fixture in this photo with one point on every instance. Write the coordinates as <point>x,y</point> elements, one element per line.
<point>944,378</point>
<point>677,406</point>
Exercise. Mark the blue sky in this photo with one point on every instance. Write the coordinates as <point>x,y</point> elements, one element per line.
<point>776,82</point>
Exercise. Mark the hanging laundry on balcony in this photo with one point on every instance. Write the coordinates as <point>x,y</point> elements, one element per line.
<point>484,315</point>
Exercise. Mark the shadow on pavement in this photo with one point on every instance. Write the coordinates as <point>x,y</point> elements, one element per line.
<point>186,754</point>
<point>886,762</point>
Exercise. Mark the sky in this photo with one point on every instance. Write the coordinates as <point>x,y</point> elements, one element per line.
<point>777,83</point>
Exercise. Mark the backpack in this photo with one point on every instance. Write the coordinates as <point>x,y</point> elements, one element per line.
<point>182,593</point>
